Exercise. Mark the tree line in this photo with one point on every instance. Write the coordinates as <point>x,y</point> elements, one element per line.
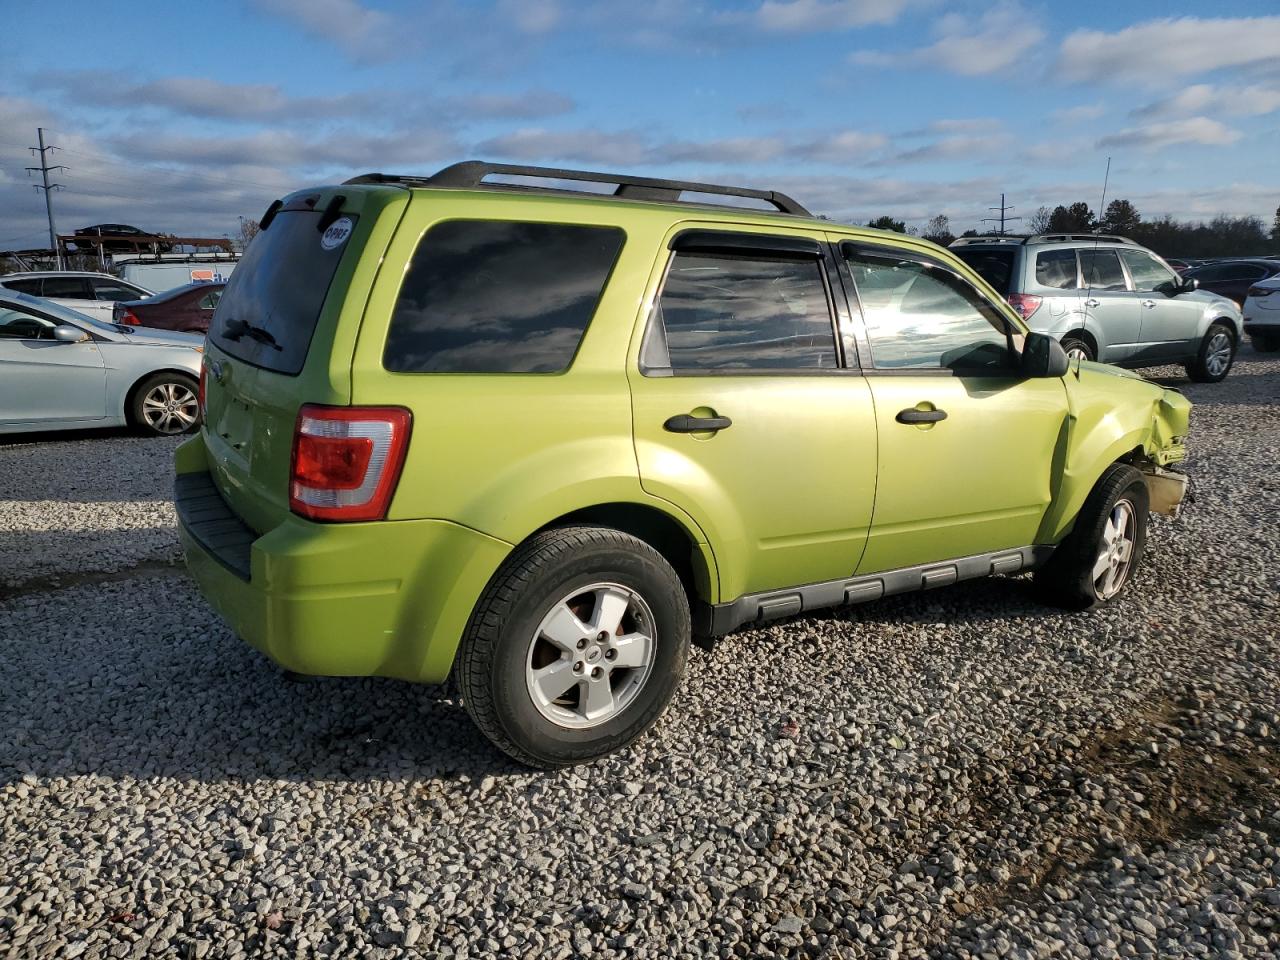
<point>1223,236</point>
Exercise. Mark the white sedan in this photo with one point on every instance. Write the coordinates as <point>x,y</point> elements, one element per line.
<point>61,370</point>
<point>1262,315</point>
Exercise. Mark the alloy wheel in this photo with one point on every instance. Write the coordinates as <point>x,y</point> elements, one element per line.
<point>1218,355</point>
<point>170,408</point>
<point>1115,552</point>
<point>591,655</point>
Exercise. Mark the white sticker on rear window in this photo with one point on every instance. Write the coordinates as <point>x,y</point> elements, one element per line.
<point>337,233</point>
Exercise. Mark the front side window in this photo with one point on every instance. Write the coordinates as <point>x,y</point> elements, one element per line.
<point>919,315</point>
<point>30,286</point>
<point>724,312</point>
<point>20,325</point>
<point>496,296</point>
<point>1101,270</point>
<point>1056,268</point>
<point>1148,273</point>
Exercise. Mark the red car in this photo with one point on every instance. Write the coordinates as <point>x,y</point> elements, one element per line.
<point>188,308</point>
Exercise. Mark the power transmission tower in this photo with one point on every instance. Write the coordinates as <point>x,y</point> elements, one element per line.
<point>1002,218</point>
<point>48,189</point>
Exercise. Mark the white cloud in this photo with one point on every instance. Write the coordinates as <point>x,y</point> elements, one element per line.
<point>999,39</point>
<point>531,16</point>
<point>360,31</point>
<point>1081,114</point>
<point>1156,136</point>
<point>1201,98</point>
<point>808,16</point>
<point>1156,51</point>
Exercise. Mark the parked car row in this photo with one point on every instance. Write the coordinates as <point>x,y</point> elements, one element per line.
<point>99,295</point>
<point>1106,298</point>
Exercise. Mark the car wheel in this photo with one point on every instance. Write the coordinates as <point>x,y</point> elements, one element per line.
<point>1098,558</point>
<point>1077,349</point>
<point>576,646</point>
<point>1265,344</point>
<point>1217,353</point>
<point>165,404</point>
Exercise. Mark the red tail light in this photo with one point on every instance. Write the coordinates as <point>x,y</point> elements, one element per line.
<point>204,379</point>
<point>1025,304</point>
<point>128,318</point>
<point>1261,291</point>
<point>347,461</point>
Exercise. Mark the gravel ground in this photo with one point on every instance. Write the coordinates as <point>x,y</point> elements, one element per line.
<point>957,774</point>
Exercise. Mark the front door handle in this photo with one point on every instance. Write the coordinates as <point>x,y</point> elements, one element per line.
<point>1092,302</point>
<point>1149,304</point>
<point>914,415</point>
<point>687,423</point>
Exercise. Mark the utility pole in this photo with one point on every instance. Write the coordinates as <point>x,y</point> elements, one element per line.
<point>48,189</point>
<point>1002,218</point>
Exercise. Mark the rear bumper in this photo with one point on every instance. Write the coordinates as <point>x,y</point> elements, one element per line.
<point>361,599</point>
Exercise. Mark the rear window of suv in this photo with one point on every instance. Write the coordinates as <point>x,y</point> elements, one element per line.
<point>1057,268</point>
<point>493,296</point>
<point>269,308</point>
<point>993,266</point>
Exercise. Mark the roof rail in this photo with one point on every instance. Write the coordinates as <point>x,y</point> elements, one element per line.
<point>1068,237</point>
<point>989,238</point>
<point>472,173</point>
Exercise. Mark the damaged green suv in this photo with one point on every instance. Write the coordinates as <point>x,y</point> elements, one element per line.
<point>533,438</point>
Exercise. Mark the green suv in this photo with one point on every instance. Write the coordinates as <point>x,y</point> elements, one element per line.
<point>533,437</point>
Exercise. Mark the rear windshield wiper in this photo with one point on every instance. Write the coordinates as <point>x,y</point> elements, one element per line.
<point>235,329</point>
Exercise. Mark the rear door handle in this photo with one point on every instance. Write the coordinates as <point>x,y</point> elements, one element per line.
<point>1149,304</point>
<point>912,415</point>
<point>1091,302</point>
<point>687,423</point>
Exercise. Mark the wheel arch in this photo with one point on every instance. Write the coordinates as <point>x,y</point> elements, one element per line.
<point>679,542</point>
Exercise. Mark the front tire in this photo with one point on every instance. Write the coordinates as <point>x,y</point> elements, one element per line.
<point>576,647</point>
<point>165,405</point>
<point>1098,558</point>
<point>1077,349</point>
<point>1216,354</point>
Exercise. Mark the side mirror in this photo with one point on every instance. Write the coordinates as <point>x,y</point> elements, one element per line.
<point>1188,284</point>
<point>66,333</point>
<point>1043,356</point>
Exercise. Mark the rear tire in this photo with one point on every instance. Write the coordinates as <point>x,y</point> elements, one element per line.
<point>1097,560</point>
<point>1075,347</point>
<point>575,648</point>
<point>1265,344</point>
<point>1216,354</point>
<point>165,405</point>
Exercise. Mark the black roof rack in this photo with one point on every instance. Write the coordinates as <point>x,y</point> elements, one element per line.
<point>472,173</point>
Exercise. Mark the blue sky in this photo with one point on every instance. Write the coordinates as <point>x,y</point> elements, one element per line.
<point>181,117</point>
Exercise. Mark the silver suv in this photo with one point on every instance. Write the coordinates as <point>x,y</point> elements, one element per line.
<point>1106,298</point>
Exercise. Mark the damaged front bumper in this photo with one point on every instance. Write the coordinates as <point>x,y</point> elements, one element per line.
<point>1167,490</point>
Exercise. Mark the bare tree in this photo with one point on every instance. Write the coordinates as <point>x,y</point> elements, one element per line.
<point>248,230</point>
<point>1039,222</point>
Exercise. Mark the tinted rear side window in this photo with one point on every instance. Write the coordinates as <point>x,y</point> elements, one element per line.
<point>491,296</point>
<point>277,290</point>
<point>993,266</point>
<point>25,286</point>
<point>1056,268</point>
<point>728,313</point>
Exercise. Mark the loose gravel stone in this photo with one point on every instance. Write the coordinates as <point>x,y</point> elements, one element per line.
<point>961,773</point>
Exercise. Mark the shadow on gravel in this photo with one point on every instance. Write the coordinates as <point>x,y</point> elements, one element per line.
<point>47,436</point>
